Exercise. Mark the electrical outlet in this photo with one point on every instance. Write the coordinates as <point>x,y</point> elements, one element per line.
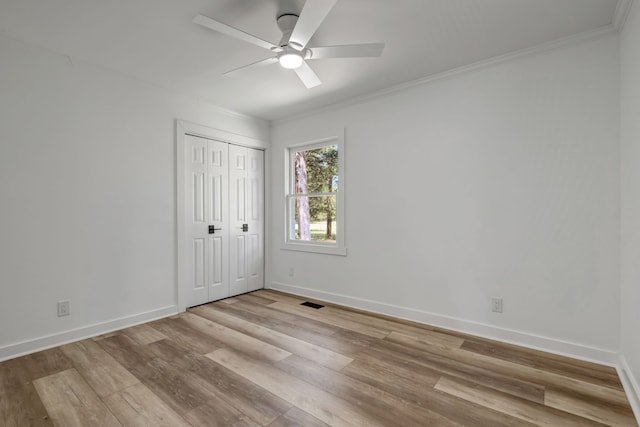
<point>292,272</point>
<point>63,308</point>
<point>496,305</point>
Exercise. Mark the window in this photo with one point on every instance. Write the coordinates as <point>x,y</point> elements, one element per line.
<point>314,202</point>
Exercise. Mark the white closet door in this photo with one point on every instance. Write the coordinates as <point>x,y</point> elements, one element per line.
<point>207,229</point>
<point>246,205</point>
<point>238,166</point>
<point>218,226</point>
<point>255,219</point>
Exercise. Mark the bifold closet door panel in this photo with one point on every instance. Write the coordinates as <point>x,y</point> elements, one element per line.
<point>246,206</point>
<point>255,205</point>
<point>206,214</point>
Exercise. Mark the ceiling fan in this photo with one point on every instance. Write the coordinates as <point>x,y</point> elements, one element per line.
<point>292,51</point>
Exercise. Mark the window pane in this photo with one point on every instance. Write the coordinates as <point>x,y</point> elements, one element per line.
<point>314,218</point>
<point>316,171</point>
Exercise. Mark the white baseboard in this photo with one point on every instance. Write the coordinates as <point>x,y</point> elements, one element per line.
<point>631,385</point>
<point>42,343</point>
<point>550,345</point>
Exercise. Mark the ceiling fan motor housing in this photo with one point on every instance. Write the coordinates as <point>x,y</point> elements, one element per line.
<point>286,23</point>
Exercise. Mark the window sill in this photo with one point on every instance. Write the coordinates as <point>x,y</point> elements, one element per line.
<point>319,249</point>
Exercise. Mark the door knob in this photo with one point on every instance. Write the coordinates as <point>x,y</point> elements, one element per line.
<point>245,227</point>
<point>212,229</point>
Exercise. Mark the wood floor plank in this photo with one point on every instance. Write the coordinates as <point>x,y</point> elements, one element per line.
<point>501,347</point>
<point>269,318</point>
<point>413,390</point>
<point>293,345</point>
<point>181,392</point>
<point>107,335</point>
<point>386,408</point>
<point>160,376</point>
<point>160,369</point>
<point>235,390</point>
<point>236,340</point>
<point>71,402</point>
<point>20,405</point>
<point>345,342</point>
<point>138,406</point>
<point>383,322</point>
<point>330,319</point>
<point>322,405</point>
<point>281,296</point>
<point>522,409</point>
<point>413,346</point>
<point>433,337</point>
<point>410,388</point>
<point>167,350</point>
<point>413,360</point>
<point>191,339</point>
<point>126,352</point>
<point>103,373</point>
<point>609,414</point>
<point>405,372</point>
<point>275,317</point>
<point>296,417</point>
<point>193,384</point>
<point>339,340</point>
<point>144,334</point>
<point>587,372</point>
<point>218,413</point>
<point>255,299</point>
<point>47,362</point>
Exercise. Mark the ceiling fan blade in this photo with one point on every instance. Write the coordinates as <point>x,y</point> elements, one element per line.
<point>312,15</point>
<point>369,50</point>
<point>212,24</point>
<point>252,66</point>
<point>308,76</point>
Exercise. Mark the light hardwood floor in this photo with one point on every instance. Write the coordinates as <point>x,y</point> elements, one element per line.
<point>262,359</point>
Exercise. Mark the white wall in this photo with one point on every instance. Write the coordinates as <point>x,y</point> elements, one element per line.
<point>630,155</point>
<point>87,195</point>
<point>503,181</point>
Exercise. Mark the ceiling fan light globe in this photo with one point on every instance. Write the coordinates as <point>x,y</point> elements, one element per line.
<point>290,61</point>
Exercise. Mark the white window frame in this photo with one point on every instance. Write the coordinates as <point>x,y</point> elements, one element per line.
<point>337,248</point>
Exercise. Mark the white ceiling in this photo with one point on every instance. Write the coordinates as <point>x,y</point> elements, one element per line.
<point>155,41</point>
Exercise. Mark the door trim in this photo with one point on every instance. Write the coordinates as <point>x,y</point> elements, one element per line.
<point>187,128</point>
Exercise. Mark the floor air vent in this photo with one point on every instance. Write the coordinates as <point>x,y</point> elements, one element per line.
<point>312,305</point>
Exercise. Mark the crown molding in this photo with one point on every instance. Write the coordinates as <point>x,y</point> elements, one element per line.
<point>621,13</point>
<point>227,112</point>
<point>195,129</point>
<point>534,50</point>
